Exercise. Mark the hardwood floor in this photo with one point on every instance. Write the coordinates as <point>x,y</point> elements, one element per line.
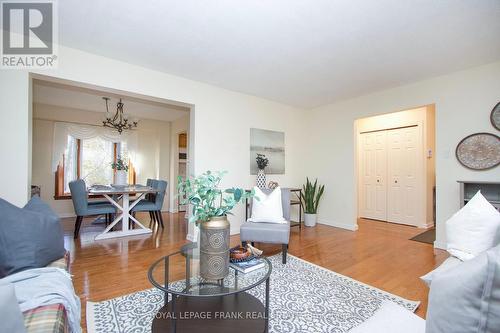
<point>379,254</point>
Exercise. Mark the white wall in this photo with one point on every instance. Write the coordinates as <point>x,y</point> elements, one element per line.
<point>463,102</point>
<point>15,136</point>
<point>219,128</point>
<point>153,150</point>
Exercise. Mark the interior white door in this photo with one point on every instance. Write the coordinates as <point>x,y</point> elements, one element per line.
<point>404,173</point>
<point>373,193</point>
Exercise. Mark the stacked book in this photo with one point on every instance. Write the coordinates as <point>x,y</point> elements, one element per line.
<point>248,266</point>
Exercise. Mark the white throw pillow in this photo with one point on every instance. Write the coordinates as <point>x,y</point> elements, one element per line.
<point>473,228</point>
<point>391,318</point>
<point>268,208</point>
<point>448,264</point>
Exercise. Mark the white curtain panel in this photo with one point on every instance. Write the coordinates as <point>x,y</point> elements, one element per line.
<point>62,130</point>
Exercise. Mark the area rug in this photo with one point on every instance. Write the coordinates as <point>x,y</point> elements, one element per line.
<point>304,298</point>
<point>428,237</point>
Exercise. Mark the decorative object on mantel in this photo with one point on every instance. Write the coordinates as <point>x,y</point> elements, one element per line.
<point>310,201</point>
<point>210,209</point>
<point>119,120</point>
<point>272,145</point>
<point>272,185</point>
<point>121,168</point>
<point>262,163</point>
<point>495,116</point>
<point>479,151</point>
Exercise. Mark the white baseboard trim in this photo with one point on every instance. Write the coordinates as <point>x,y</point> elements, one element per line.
<point>440,245</point>
<point>351,227</point>
<point>174,210</point>
<point>426,226</point>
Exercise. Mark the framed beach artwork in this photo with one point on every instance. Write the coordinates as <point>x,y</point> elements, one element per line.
<point>271,144</point>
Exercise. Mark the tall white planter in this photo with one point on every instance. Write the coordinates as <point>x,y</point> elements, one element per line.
<point>310,219</point>
<point>121,177</point>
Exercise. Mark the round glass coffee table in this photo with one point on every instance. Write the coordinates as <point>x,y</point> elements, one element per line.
<point>198,305</point>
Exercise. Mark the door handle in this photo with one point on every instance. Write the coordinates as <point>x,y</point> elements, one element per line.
<point>396,181</point>
<point>378,180</point>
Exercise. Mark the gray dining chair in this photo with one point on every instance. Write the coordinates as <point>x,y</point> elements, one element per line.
<point>273,233</point>
<point>82,207</point>
<point>154,207</point>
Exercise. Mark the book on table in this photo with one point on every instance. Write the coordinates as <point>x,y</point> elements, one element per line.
<point>248,266</point>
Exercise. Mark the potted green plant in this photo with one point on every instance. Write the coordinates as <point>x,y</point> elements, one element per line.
<point>121,168</point>
<point>210,207</point>
<point>262,162</point>
<point>310,201</point>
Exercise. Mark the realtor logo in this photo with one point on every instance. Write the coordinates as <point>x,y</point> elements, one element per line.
<point>28,34</point>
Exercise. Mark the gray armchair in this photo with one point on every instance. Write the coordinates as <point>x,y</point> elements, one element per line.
<point>274,233</point>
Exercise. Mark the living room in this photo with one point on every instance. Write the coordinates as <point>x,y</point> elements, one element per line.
<point>355,60</point>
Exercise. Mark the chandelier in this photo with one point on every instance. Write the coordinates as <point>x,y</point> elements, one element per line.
<point>120,120</point>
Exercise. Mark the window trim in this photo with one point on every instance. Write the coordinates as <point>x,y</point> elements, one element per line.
<point>59,193</point>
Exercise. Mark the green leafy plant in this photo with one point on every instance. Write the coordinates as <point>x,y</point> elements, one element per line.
<point>119,165</point>
<point>207,199</point>
<point>311,196</point>
<point>262,161</point>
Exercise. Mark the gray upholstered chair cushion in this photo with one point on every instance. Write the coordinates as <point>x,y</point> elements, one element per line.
<point>145,205</point>
<point>277,233</point>
<point>12,319</point>
<point>29,238</point>
<point>466,298</point>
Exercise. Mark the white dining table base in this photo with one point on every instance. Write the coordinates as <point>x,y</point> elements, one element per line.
<point>125,217</point>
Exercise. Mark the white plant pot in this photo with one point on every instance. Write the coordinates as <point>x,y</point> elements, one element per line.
<point>121,177</point>
<point>310,219</point>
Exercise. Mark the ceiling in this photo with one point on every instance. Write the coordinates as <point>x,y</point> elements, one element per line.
<point>304,53</point>
<point>73,97</point>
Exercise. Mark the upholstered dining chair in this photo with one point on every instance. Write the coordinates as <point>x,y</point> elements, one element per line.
<point>83,208</point>
<point>274,233</point>
<point>155,206</point>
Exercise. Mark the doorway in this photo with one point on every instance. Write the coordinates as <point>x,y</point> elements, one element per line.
<point>182,163</point>
<point>396,172</point>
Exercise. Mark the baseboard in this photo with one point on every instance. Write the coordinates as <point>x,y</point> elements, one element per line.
<point>429,224</point>
<point>174,210</point>
<point>440,245</point>
<point>351,227</point>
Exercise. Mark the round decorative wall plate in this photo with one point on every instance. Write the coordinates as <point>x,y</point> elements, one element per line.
<point>479,151</point>
<point>495,116</point>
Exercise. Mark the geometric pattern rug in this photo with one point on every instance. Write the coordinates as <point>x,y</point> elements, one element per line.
<point>304,297</point>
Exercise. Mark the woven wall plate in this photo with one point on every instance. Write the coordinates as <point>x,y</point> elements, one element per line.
<point>495,116</point>
<point>479,151</point>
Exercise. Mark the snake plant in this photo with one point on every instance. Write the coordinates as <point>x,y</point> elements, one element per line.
<point>311,196</point>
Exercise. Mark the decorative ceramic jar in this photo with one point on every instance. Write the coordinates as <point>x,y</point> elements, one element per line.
<point>214,248</point>
<point>261,179</point>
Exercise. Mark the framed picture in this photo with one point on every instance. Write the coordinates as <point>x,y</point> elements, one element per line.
<point>495,116</point>
<point>272,145</point>
<point>480,151</point>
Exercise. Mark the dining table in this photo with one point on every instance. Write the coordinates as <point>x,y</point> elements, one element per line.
<point>124,198</point>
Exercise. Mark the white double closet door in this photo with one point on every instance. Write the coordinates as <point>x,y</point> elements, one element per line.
<point>391,179</point>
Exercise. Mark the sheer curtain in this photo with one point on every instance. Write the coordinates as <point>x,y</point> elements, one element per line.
<point>63,132</point>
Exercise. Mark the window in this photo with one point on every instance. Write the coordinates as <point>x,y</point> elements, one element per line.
<point>90,160</point>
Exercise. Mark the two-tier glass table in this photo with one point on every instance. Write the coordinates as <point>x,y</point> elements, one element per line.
<point>192,304</point>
